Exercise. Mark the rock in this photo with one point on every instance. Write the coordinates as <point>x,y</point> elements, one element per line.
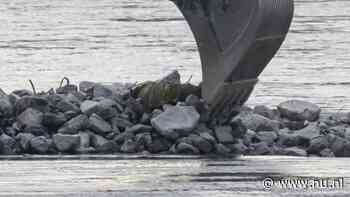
<point>340,147</point>
<point>74,125</point>
<point>239,148</point>
<point>34,102</point>
<point>318,144</point>
<point>327,153</point>
<point>6,108</point>
<point>139,128</point>
<point>40,144</point>
<point>192,100</point>
<point>299,110</point>
<point>184,148</point>
<point>208,137</point>
<point>107,109</point>
<point>158,145</point>
<point>89,107</point>
<point>98,125</point>
<point>239,130</point>
<point>100,90</point>
<point>222,149</point>
<point>261,148</point>
<point>53,120</point>
<point>84,139</point>
<point>29,117</point>
<point>101,144</point>
<point>308,133</point>
<point>118,122</point>
<point>265,111</point>
<point>267,136</point>
<point>201,143</point>
<point>249,137</point>
<point>295,151</point>
<point>294,125</point>
<point>22,93</point>
<point>66,143</point>
<point>155,113</point>
<point>176,121</point>
<point>64,105</point>
<point>202,128</point>
<point>224,134</point>
<point>122,137</point>
<point>256,122</point>
<point>143,139</point>
<point>129,146</point>
<point>24,140</point>
<point>8,145</point>
<point>146,118</point>
<point>287,138</point>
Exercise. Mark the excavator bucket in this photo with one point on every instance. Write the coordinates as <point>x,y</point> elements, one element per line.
<point>236,39</point>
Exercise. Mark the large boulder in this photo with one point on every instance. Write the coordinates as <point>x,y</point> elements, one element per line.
<point>8,145</point>
<point>30,121</point>
<point>224,134</point>
<point>40,144</point>
<point>66,143</point>
<point>176,121</point>
<point>307,134</point>
<point>74,125</point>
<point>53,120</point>
<point>299,110</point>
<point>101,144</point>
<point>24,140</point>
<point>267,136</point>
<point>255,122</point>
<point>129,146</point>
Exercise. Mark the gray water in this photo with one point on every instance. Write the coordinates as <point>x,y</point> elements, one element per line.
<point>168,176</point>
<point>137,40</point>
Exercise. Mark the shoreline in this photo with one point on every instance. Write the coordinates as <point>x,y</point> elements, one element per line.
<point>163,117</point>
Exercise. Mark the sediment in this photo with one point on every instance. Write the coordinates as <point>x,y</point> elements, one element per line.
<point>161,117</point>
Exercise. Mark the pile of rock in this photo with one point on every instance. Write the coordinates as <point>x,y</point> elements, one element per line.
<point>124,118</point>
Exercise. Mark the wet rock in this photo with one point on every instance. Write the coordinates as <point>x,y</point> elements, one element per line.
<point>201,143</point>
<point>299,110</point>
<point>74,125</point>
<point>84,139</point>
<point>184,148</point>
<point>308,133</point>
<point>24,140</point>
<point>143,139</point>
<point>222,149</point>
<point>66,143</point>
<point>34,102</point>
<point>89,107</point>
<point>104,108</point>
<point>129,146</point>
<point>101,144</point>
<point>295,151</point>
<point>256,122</point>
<point>158,145</point>
<point>139,128</point>
<point>64,105</point>
<point>98,125</point>
<point>287,138</point>
<point>53,120</point>
<point>122,137</point>
<point>8,145</point>
<point>267,136</point>
<point>30,121</point>
<point>224,134</point>
<point>176,121</point>
<point>327,153</point>
<point>208,137</point>
<point>261,148</point>
<point>318,144</point>
<point>40,144</point>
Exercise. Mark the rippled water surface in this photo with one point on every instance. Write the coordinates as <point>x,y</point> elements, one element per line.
<point>136,40</point>
<point>169,176</point>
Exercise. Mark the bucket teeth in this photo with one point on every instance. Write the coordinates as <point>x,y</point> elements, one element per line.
<point>236,39</point>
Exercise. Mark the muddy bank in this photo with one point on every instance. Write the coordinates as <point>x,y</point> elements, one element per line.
<point>161,117</point>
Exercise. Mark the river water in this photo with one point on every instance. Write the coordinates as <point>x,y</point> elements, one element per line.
<point>171,176</point>
<point>137,40</point>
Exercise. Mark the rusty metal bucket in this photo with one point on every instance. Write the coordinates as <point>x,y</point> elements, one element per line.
<point>236,39</point>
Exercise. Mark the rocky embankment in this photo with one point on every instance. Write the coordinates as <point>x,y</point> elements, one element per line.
<point>162,117</point>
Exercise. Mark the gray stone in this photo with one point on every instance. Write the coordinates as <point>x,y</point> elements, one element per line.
<point>299,110</point>
<point>100,90</point>
<point>122,137</point>
<point>8,145</point>
<point>155,113</point>
<point>146,118</point>
<point>294,125</point>
<point>318,144</point>
<point>339,147</point>
<point>176,121</point>
<point>74,125</point>
<point>327,153</point>
<point>239,148</point>
<point>265,111</point>
<point>29,118</point>
<point>107,109</point>
<point>308,133</point>
<point>89,107</point>
<point>158,145</point>
<point>238,128</point>
<point>40,144</point>
<point>287,138</point>
<point>34,102</point>
<point>267,136</point>
<point>6,108</point>
<point>139,128</point>
<point>261,148</point>
<point>249,137</point>
<point>208,137</point>
<point>256,122</point>
<point>118,122</point>
<point>295,151</point>
<point>84,139</point>
<point>224,134</point>
<point>53,120</point>
<point>144,139</point>
<point>202,128</point>
<point>184,148</point>
<point>64,105</point>
<point>24,140</point>
<point>129,146</point>
<point>222,149</point>
<point>201,143</point>
<point>98,125</point>
<point>101,144</point>
<point>66,143</point>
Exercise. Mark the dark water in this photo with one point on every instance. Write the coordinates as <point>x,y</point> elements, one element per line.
<point>136,40</point>
<point>168,176</point>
